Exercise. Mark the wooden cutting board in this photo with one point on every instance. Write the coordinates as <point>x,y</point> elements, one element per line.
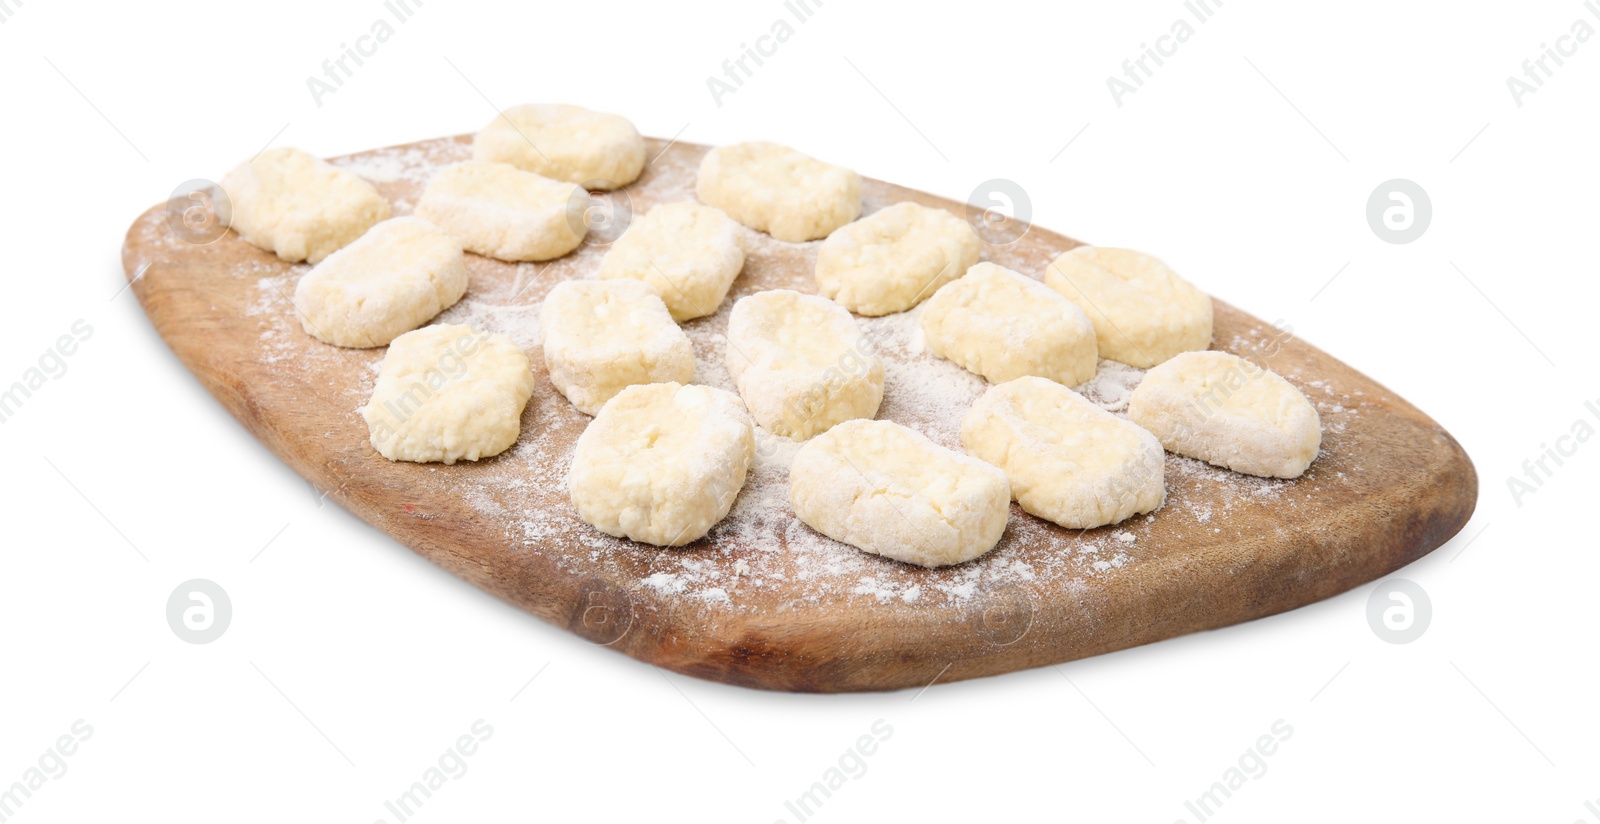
<point>764,601</point>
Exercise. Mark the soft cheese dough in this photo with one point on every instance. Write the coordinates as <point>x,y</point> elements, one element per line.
<point>1069,461</point>
<point>1227,411</point>
<point>595,150</point>
<point>800,363</point>
<point>395,278</point>
<point>894,259</point>
<point>1143,312</point>
<point>688,251</point>
<point>662,463</point>
<point>601,336</point>
<point>777,190</point>
<point>888,490</point>
<point>502,212</point>
<point>448,392</point>
<point>299,207</point>
<point>1004,325</point>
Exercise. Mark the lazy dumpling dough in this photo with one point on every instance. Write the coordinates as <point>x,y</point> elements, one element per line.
<point>777,190</point>
<point>448,392</point>
<point>1143,313</point>
<point>1069,461</point>
<point>1227,411</point>
<point>601,336</point>
<point>801,363</point>
<point>891,260</point>
<point>392,280</point>
<point>662,463</point>
<point>888,490</point>
<point>299,207</point>
<point>1004,325</point>
<point>570,143</point>
<point>688,251</point>
<point>502,212</point>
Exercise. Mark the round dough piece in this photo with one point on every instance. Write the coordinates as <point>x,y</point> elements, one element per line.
<point>888,490</point>
<point>662,463</point>
<point>448,392</point>
<point>1227,411</point>
<point>688,251</point>
<point>777,190</point>
<point>595,150</point>
<point>1143,313</point>
<point>602,336</point>
<point>298,207</point>
<point>397,277</point>
<point>1069,461</point>
<point>801,363</point>
<point>893,259</point>
<point>502,212</point>
<point>1004,325</point>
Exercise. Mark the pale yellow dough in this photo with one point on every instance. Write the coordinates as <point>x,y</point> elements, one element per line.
<point>662,463</point>
<point>888,490</point>
<point>447,393</point>
<point>602,336</point>
<point>502,212</point>
<point>894,259</point>
<point>1004,325</point>
<point>777,190</point>
<point>1069,461</point>
<point>1143,312</point>
<point>595,150</point>
<point>1227,411</point>
<point>688,251</point>
<point>299,207</point>
<point>395,278</point>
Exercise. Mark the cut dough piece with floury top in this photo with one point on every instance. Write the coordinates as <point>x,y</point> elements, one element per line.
<point>1069,461</point>
<point>298,207</point>
<point>397,277</point>
<point>602,336</point>
<point>688,251</point>
<point>895,258</point>
<point>1143,313</point>
<point>662,463</point>
<point>502,212</point>
<point>595,150</point>
<point>890,491</point>
<point>1227,411</point>
<point>1004,325</point>
<point>777,190</point>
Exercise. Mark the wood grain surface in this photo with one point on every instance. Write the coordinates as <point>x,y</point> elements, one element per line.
<point>763,601</point>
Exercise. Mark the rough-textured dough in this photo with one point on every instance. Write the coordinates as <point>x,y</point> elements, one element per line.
<point>888,490</point>
<point>602,336</point>
<point>688,251</point>
<point>662,463</point>
<point>801,363</point>
<point>396,277</point>
<point>1227,411</point>
<point>1004,325</point>
<point>895,258</point>
<point>1069,461</point>
<point>592,149</point>
<point>777,190</point>
<point>298,207</point>
<point>502,212</point>
<point>447,393</point>
<point>1143,312</point>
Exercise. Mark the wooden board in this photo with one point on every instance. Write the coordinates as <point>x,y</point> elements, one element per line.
<point>764,601</point>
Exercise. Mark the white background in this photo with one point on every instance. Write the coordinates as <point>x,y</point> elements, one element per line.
<point>1246,162</point>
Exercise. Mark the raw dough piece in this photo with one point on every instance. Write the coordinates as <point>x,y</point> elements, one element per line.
<point>777,190</point>
<point>602,336</point>
<point>502,212</point>
<point>688,251</point>
<point>893,259</point>
<point>888,490</point>
<point>448,392</point>
<point>801,363</point>
<point>592,149</point>
<point>298,207</point>
<point>1227,411</point>
<point>397,277</point>
<point>1069,461</point>
<point>1004,325</point>
<point>1143,313</point>
<point>662,463</point>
